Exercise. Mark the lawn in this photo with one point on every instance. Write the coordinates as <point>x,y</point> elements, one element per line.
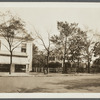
<point>52,83</point>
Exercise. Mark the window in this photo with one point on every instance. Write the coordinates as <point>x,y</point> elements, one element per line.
<point>20,68</point>
<point>52,58</point>
<point>23,47</point>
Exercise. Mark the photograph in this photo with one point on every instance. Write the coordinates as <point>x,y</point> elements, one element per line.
<point>49,47</point>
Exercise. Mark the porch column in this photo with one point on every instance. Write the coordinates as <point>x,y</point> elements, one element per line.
<point>48,70</point>
<point>36,69</point>
<point>27,68</point>
<point>13,68</point>
<point>41,69</point>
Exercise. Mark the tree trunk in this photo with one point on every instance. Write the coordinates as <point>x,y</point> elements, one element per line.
<point>78,65</point>
<point>88,59</point>
<point>63,64</point>
<point>88,65</point>
<point>47,64</point>
<point>10,62</point>
<point>64,53</point>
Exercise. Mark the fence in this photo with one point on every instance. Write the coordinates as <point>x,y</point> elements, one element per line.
<point>51,70</point>
<point>69,70</point>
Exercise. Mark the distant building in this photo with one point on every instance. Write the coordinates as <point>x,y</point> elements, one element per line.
<point>55,58</point>
<point>21,59</point>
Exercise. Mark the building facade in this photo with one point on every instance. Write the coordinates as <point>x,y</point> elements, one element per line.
<point>21,57</point>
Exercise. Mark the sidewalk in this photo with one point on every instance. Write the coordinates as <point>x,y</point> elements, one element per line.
<point>2,74</point>
<point>34,74</point>
<point>30,74</point>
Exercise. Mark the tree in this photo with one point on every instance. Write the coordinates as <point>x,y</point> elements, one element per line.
<point>35,49</point>
<point>13,31</point>
<point>39,60</point>
<point>46,47</point>
<point>82,46</point>
<point>76,45</point>
<point>35,55</point>
<point>62,40</point>
<point>88,49</point>
<point>97,49</point>
<point>75,49</point>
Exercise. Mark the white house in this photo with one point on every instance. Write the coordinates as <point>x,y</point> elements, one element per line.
<point>21,59</point>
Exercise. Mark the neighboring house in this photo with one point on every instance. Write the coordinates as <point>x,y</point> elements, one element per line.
<point>54,58</point>
<point>21,59</point>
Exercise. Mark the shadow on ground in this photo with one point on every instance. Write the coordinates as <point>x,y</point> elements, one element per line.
<point>79,84</point>
<point>83,84</point>
<point>34,90</point>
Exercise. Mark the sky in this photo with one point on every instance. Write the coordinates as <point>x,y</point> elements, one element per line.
<point>43,17</point>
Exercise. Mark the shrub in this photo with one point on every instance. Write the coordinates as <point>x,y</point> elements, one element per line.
<point>96,63</point>
<point>54,64</point>
<point>80,69</point>
<point>67,64</point>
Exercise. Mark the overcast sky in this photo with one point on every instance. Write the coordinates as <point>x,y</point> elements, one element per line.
<point>45,18</point>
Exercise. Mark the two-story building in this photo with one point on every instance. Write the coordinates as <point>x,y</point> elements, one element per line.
<point>21,57</point>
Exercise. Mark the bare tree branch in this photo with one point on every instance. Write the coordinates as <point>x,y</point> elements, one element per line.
<point>48,40</point>
<point>40,37</point>
<point>17,45</point>
<point>6,47</point>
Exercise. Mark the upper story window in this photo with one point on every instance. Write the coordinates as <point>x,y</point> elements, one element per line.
<point>52,58</point>
<point>23,47</point>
